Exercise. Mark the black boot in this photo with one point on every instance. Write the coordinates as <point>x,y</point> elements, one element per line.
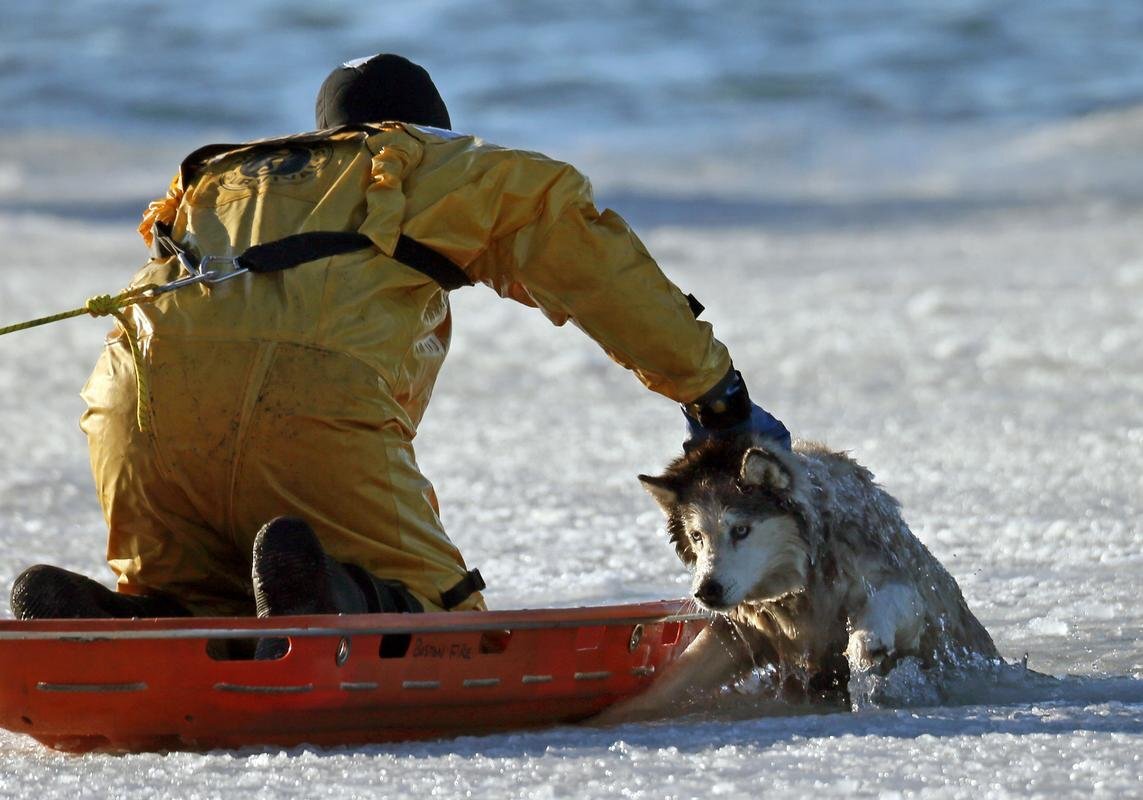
<point>293,575</point>
<point>46,592</point>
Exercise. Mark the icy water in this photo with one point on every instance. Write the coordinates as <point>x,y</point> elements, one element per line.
<point>914,225</point>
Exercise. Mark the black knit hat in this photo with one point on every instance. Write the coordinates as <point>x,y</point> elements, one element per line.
<point>381,88</point>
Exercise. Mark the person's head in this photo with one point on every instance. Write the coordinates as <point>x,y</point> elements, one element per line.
<point>380,88</point>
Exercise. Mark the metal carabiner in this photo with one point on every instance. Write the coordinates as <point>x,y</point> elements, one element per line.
<point>213,277</point>
<point>200,274</point>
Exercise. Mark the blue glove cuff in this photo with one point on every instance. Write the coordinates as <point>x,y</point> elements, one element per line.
<point>726,412</point>
<point>760,422</point>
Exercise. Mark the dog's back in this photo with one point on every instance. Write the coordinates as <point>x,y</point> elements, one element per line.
<point>810,552</point>
<point>871,544</point>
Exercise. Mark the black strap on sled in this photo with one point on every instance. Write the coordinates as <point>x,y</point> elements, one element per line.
<point>467,586</point>
<point>383,596</point>
<point>393,597</point>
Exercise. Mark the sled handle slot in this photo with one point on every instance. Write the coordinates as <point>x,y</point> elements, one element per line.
<point>95,688</point>
<point>359,686</point>
<point>480,683</point>
<point>420,684</point>
<point>245,688</point>
<point>394,645</point>
<point>493,643</point>
<point>601,675</point>
<point>231,649</point>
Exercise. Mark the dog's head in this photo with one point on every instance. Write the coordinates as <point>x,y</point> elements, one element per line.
<point>733,515</point>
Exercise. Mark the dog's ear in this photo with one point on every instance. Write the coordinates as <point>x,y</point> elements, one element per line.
<point>761,468</point>
<point>662,489</point>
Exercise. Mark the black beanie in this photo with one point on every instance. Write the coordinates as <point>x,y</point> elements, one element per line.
<point>381,88</point>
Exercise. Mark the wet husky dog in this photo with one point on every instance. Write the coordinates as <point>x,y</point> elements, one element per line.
<point>812,565</point>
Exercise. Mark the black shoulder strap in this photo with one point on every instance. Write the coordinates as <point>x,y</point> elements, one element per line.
<point>425,260</point>
<point>300,248</point>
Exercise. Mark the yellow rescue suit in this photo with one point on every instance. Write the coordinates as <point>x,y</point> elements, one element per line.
<point>299,392</point>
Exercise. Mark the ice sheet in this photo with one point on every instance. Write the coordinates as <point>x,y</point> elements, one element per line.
<point>984,360</point>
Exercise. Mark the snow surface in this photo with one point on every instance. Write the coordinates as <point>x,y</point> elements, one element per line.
<point>981,351</point>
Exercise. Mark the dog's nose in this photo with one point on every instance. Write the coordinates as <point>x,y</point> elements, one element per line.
<point>709,592</point>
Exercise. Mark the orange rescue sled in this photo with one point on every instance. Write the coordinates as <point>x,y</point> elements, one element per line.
<point>136,685</point>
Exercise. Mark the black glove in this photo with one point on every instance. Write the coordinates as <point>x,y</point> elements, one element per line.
<point>726,411</point>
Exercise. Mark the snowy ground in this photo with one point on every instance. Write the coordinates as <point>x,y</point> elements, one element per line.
<point>984,359</point>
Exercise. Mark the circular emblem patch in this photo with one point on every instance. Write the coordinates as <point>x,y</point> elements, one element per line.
<point>284,164</point>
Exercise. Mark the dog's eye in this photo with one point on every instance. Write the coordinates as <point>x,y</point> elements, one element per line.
<point>739,532</point>
<point>696,537</point>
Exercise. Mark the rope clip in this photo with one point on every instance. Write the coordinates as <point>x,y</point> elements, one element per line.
<point>199,273</point>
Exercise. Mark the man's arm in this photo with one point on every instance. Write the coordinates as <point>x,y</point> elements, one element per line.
<point>527,227</point>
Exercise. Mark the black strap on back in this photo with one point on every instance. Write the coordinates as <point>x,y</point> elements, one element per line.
<point>300,248</point>
<point>429,262</point>
<point>163,243</point>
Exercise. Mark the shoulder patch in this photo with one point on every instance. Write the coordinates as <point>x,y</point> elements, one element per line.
<point>290,163</point>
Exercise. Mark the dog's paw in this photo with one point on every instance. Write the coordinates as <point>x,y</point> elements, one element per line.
<point>869,652</point>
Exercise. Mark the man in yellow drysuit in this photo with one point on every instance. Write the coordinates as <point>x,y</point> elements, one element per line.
<point>293,396</point>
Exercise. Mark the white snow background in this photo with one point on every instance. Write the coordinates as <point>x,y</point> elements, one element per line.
<point>966,319</point>
<point>984,361</point>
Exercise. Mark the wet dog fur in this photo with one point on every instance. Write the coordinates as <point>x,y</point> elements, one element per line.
<point>809,562</point>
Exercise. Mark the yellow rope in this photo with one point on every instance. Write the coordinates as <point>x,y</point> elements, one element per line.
<point>102,305</point>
